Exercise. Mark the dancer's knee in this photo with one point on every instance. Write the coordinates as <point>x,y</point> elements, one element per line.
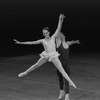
<point>37,65</point>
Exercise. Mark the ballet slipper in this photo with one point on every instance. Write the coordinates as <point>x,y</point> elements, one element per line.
<point>72,84</point>
<point>67,97</point>
<point>62,92</point>
<point>22,74</point>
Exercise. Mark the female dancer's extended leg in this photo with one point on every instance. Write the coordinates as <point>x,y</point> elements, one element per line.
<point>58,65</point>
<point>40,62</point>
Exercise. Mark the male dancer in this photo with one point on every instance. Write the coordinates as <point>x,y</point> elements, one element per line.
<point>63,50</point>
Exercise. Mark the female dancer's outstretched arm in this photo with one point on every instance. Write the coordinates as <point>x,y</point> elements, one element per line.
<point>28,42</point>
<point>58,30</point>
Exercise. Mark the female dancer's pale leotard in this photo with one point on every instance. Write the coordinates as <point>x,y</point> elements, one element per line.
<point>50,49</point>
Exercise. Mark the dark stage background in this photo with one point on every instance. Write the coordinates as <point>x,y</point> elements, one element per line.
<point>25,19</point>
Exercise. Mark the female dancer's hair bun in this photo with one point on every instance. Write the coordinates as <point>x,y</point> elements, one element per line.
<point>46,28</point>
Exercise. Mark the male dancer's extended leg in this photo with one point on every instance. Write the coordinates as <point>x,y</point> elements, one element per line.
<point>67,69</point>
<point>61,84</point>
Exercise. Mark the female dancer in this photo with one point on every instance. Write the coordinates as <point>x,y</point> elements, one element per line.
<point>63,49</point>
<point>49,53</point>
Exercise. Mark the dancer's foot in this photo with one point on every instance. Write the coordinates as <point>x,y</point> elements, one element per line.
<point>22,74</point>
<point>62,92</point>
<point>67,97</point>
<point>72,84</point>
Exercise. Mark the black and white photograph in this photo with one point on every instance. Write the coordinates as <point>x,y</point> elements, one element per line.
<point>49,50</point>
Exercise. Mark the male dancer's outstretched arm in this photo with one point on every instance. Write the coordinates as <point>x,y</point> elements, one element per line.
<point>74,42</point>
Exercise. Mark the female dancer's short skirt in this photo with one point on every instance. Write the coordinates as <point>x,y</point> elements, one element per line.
<point>49,55</point>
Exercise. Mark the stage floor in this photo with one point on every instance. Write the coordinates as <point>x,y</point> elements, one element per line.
<point>42,83</point>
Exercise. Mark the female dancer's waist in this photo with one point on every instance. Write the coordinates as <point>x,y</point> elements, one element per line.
<point>49,55</point>
<point>50,52</point>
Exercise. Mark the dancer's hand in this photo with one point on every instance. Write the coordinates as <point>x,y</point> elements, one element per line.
<point>61,17</point>
<point>17,42</point>
<point>22,74</point>
<point>78,42</point>
<point>72,84</point>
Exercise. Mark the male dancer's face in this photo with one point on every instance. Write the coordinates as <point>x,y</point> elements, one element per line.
<point>62,37</point>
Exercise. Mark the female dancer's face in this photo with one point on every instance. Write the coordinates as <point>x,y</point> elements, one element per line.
<point>46,33</point>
